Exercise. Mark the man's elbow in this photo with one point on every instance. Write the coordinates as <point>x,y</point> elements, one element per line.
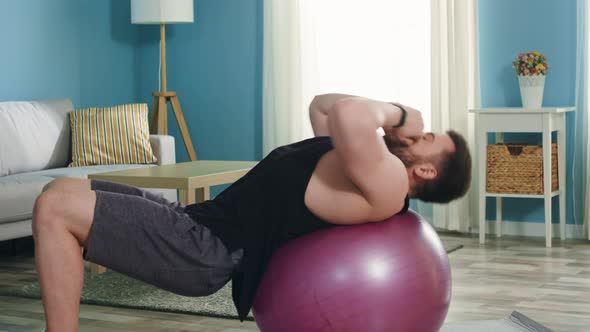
<point>320,103</point>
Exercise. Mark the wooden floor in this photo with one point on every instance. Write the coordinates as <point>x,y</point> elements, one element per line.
<point>551,286</point>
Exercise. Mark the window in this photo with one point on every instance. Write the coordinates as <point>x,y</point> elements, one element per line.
<point>373,48</point>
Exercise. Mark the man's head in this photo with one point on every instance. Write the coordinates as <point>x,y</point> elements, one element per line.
<point>439,166</point>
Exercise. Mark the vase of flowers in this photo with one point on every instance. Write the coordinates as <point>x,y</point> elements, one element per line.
<point>531,68</point>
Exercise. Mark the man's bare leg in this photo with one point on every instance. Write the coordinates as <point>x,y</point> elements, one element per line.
<point>61,223</point>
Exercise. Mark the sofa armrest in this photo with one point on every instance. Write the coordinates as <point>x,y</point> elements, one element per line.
<point>163,147</point>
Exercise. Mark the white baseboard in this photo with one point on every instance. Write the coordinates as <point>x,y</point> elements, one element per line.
<point>533,229</point>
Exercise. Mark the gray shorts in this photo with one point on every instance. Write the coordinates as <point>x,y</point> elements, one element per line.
<point>147,237</point>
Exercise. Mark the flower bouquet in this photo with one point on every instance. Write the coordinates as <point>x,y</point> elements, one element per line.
<point>531,68</point>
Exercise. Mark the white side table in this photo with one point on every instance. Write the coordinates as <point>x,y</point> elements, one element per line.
<point>521,120</point>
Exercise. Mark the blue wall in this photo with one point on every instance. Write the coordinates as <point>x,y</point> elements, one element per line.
<point>107,53</point>
<point>87,50</point>
<point>507,28</point>
<point>214,64</point>
<point>77,49</point>
<point>40,49</point>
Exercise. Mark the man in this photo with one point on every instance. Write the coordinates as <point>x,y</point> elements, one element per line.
<point>346,175</point>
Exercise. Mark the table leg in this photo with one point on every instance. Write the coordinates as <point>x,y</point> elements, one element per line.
<point>97,269</point>
<point>561,164</point>
<point>499,216</point>
<point>203,194</point>
<point>499,139</point>
<point>547,176</point>
<point>482,141</point>
<point>186,197</point>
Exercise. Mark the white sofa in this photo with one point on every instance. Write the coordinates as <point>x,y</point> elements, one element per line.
<point>35,149</point>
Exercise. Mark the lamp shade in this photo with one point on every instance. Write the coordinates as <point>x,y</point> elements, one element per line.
<point>161,11</point>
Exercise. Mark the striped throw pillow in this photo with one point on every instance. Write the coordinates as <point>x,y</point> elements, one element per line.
<point>111,135</point>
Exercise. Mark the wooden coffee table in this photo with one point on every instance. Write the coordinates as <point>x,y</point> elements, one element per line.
<point>193,180</point>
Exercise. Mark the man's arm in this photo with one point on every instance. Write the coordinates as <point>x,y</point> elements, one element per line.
<point>320,108</point>
<point>380,176</point>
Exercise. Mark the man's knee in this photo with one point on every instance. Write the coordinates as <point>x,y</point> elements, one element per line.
<point>68,184</point>
<point>45,210</point>
<point>54,184</point>
<point>47,186</point>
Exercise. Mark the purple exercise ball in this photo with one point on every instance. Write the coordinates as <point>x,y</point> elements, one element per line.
<point>378,277</point>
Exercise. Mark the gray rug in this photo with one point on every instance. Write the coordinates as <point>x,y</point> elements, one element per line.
<point>115,290</point>
<point>515,322</point>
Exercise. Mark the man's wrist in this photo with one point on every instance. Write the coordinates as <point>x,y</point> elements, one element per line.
<point>393,115</point>
<point>403,115</point>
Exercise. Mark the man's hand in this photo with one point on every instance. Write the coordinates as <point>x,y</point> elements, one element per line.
<point>412,129</point>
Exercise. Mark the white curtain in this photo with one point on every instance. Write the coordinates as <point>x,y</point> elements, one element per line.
<point>287,74</point>
<point>310,48</point>
<point>281,74</point>
<point>581,158</point>
<point>455,90</point>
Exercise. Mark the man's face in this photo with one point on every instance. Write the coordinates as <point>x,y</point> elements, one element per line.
<point>431,144</point>
<point>421,149</point>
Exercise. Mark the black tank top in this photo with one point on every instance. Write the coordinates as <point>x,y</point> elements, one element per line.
<point>263,210</point>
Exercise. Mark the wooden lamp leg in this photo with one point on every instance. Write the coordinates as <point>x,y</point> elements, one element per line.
<point>159,117</point>
<point>154,118</point>
<point>183,129</point>
<point>162,116</point>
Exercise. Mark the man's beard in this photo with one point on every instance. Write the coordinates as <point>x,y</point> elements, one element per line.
<point>400,150</point>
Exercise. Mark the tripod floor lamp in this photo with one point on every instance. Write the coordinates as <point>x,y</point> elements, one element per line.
<point>163,12</point>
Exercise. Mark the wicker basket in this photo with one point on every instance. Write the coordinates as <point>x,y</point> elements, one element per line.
<point>518,169</point>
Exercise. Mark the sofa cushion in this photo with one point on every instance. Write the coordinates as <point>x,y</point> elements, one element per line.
<point>19,191</point>
<point>17,195</point>
<point>111,135</point>
<point>83,171</point>
<point>34,135</point>
<point>14,230</point>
